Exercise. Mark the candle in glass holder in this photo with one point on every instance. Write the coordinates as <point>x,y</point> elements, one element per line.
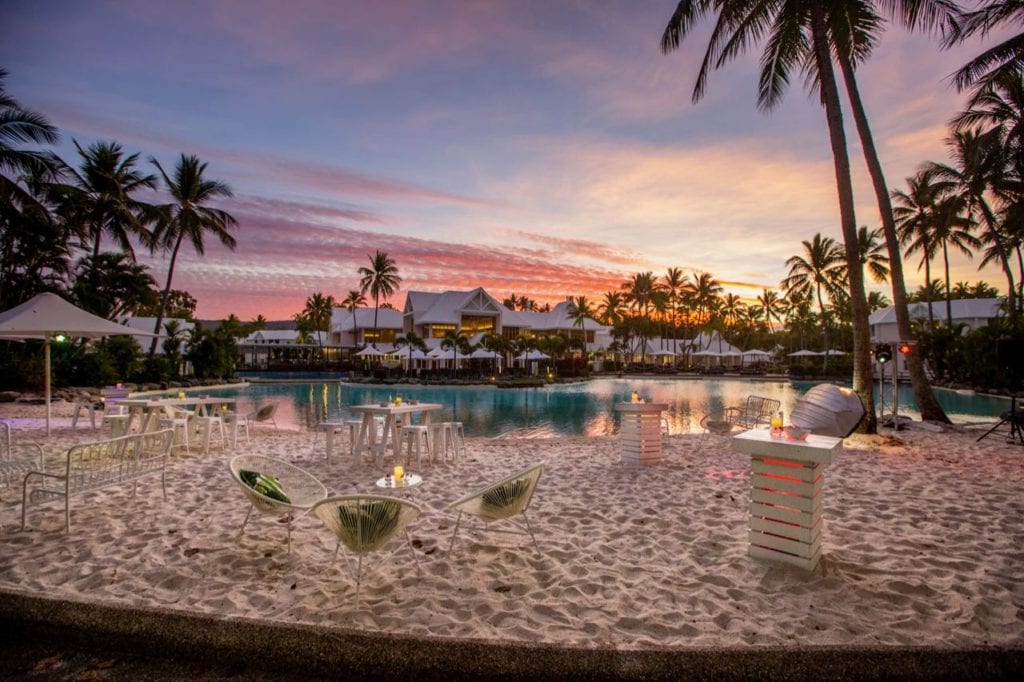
<point>398,400</point>
<point>181,395</point>
<point>399,473</point>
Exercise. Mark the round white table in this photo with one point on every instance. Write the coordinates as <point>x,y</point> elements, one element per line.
<point>408,482</point>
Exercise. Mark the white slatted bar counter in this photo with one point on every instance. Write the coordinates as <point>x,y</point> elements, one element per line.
<point>640,432</point>
<point>787,490</point>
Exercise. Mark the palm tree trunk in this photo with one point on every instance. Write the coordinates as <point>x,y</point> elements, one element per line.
<point>824,327</point>
<point>376,309</point>
<point>929,405</point>
<point>165,295</point>
<point>949,298</point>
<point>862,370</point>
<point>928,289</point>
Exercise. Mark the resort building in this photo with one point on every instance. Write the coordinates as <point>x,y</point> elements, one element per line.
<point>972,313</point>
<point>474,313</point>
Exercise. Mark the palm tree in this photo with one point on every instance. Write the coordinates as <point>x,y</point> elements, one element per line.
<point>189,217</point>
<point>872,253</point>
<point>998,104</point>
<point>258,323</point>
<point>639,292</point>
<point>579,310</point>
<point>413,340</point>
<point>318,311</point>
<point>458,343</point>
<point>979,167</point>
<point>916,215</point>
<point>815,272</point>
<point>19,125</point>
<point>354,300</point>
<point>610,308</point>
<point>854,27</point>
<point>999,60</point>
<point>497,344</point>
<point>112,285</point>
<point>877,301</point>
<point>100,199</point>
<point>952,229</point>
<point>380,278</point>
<point>796,34</point>
<point>703,292</point>
<point>672,283</point>
<point>772,306</point>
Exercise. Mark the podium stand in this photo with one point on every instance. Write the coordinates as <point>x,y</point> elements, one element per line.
<point>641,432</point>
<point>787,491</point>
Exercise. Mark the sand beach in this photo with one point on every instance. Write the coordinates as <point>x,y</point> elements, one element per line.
<point>923,547</point>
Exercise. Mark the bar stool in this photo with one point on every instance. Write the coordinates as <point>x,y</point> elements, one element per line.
<point>207,424</point>
<point>236,422</point>
<point>85,402</point>
<point>418,435</point>
<point>457,436</point>
<point>353,433</point>
<point>441,440</point>
<point>178,420</point>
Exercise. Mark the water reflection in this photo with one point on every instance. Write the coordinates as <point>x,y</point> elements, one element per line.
<point>566,410</point>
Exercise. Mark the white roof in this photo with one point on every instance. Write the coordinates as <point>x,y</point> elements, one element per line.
<point>962,309</point>
<point>341,319</point>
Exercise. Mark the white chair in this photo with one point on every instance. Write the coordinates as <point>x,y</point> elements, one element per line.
<point>416,437</point>
<point>180,422</point>
<point>354,425</point>
<point>365,524</point>
<point>301,489</point>
<point>500,501</point>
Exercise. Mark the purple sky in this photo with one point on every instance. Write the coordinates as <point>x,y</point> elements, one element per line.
<point>540,148</point>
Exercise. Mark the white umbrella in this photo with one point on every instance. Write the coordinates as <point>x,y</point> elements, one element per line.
<point>533,355</point>
<point>371,352</point>
<point>833,352</point>
<point>662,353</point>
<point>483,354</point>
<point>803,354</point>
<point>756,353</point>
<point>46,315</point>
<point>706,354</point>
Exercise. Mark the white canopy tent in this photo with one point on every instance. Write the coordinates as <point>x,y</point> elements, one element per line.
<point>47,315</point>
<point>803,354</point>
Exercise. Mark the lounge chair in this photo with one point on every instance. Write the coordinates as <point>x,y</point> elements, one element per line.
<point>756,412</point>
<point>499,501</point>
<point>262,414</point>
<point>295,493</point>
<point>365,524</point>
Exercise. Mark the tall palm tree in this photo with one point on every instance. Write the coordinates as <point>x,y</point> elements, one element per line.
<point>998,60</point>
<point>795,34</point>
<point>639,293</point>
<point>189,217</point>
<point>854,27</point>
<point>458,343</point>
<point>814,273</point>
<point>100,198</point>
<point>380,278</point>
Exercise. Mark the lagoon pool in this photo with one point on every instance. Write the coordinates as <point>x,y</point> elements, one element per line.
<point>583,409</point>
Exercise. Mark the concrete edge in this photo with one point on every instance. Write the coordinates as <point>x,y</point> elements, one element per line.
<point>326,650</point>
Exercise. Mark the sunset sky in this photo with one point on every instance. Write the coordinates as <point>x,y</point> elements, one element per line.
<point>542,148</point>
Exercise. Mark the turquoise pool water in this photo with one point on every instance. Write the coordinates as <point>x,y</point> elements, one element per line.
<point>565,409</point>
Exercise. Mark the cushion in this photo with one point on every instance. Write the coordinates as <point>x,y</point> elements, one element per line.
<point>369,520</point>
<point>505,494</point>
<point>265,485</point>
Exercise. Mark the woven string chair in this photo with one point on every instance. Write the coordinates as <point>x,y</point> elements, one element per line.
<point>302,488</point>
<point>364,524</point>
<point>500,501</point>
